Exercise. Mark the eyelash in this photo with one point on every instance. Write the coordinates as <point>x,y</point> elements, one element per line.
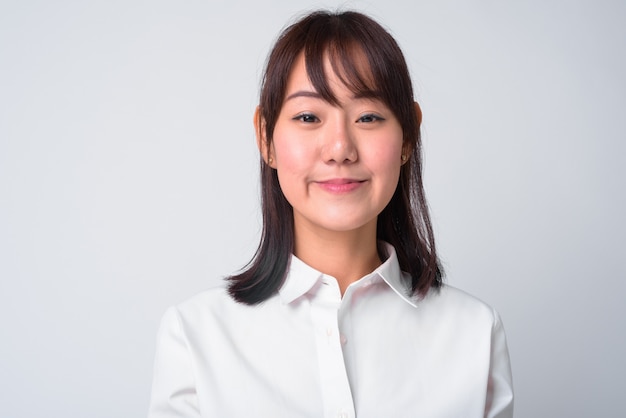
<point>372,116</point>
<point>310,118</point>
<point>307,118</point>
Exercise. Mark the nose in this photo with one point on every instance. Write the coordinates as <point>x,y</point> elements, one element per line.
<point>339,145</point>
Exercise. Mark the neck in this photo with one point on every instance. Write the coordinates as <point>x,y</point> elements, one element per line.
<point>345,255</point>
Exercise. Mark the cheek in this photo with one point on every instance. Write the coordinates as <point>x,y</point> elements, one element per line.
<point>292,160</point>
<point>386,160</point>
<point>290,156</point>
<point>291,152</point>
<point>389,156</point>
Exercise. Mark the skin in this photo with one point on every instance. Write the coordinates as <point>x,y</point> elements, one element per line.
<point>338,166</point>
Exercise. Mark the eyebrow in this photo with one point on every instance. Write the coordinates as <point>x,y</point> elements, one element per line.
<point>368,94</point>
<point>304,93</point>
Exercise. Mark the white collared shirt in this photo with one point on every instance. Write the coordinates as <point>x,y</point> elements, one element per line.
<point>308,352</point>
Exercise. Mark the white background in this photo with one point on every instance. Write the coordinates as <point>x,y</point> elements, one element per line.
<point>128,182</point>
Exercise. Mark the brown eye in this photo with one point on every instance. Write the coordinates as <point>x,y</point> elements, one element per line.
<point>370,117</point>
<point>307,118</point>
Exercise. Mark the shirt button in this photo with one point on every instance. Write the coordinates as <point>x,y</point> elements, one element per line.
<point>329,331</point>
<point>343,339</point>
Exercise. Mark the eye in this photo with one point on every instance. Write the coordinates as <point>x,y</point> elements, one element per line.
<point>307,118</point>
<point>369,118</point>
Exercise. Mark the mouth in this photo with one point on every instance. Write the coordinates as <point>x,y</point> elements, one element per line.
<point>340,185</point>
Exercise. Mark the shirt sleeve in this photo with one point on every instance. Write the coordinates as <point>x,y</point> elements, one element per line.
<point>173,386</point>
<point>500,386</point>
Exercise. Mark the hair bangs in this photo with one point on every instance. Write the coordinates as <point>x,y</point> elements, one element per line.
<point>348,58</point>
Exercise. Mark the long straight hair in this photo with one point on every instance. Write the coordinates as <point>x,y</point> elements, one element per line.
<point>345,38</point>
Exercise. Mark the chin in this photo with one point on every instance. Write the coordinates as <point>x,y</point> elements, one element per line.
<point>341,224</point>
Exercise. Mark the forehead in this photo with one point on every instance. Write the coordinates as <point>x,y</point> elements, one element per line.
<point>298,76</point>
<point>332,71</point>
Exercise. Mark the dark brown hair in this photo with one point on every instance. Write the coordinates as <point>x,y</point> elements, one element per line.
<point>345,38</point>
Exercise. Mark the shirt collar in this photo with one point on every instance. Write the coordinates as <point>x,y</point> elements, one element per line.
<point>301,278</point>
<point>391,274</point>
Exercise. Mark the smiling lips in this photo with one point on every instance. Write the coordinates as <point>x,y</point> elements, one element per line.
<point>340,185</point>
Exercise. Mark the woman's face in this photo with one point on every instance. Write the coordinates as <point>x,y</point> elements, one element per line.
<point>338,165</point>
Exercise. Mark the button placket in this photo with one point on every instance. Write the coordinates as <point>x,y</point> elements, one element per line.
<point>335,387</point>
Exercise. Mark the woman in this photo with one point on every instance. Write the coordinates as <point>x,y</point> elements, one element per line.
<point>342,312</point>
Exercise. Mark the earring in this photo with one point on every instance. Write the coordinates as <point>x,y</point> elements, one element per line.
<point>270,160</point>
<point>403,158</point>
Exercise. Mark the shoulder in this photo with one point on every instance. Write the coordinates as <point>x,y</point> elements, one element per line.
<point>215,309</point>
<point>214,302</point>
<point>450,302</point>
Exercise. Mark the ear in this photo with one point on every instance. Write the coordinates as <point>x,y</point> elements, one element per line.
<point>261,138</point>
<point>418,111</point>
<point>407,148</point>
